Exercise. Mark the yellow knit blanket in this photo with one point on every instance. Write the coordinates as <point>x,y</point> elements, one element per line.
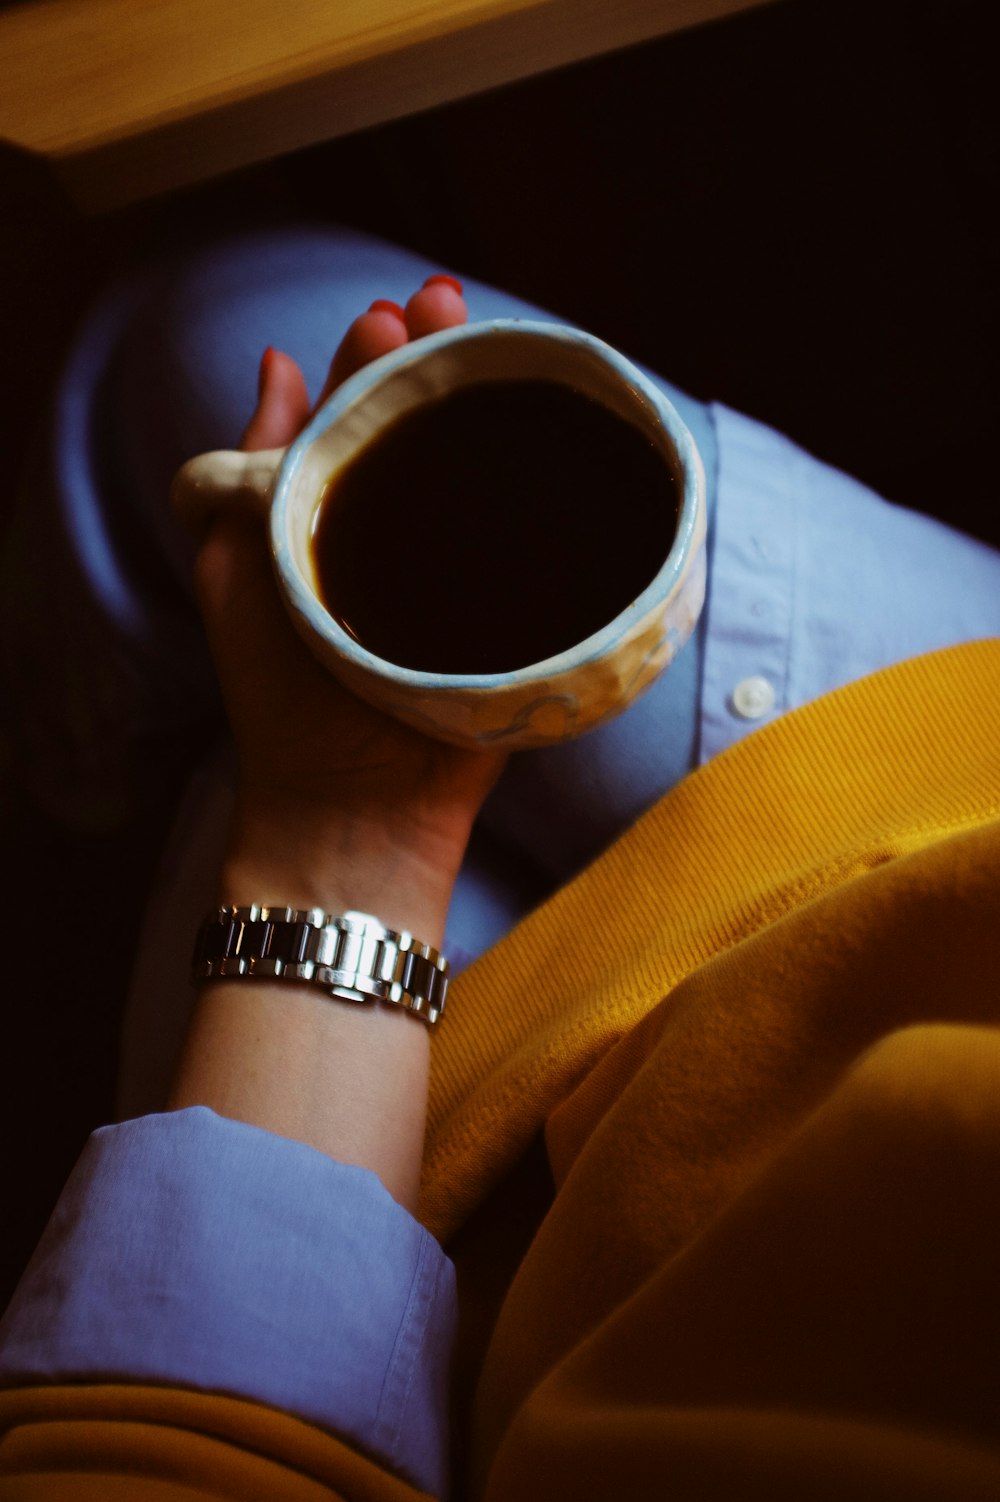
<point>759,1259</point>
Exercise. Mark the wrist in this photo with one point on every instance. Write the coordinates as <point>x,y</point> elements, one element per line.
<point>297,856</point>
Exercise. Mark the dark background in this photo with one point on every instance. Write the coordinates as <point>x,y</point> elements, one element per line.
<point>790,211</point>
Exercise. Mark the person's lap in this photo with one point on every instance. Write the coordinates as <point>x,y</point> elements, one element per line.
<point>165,368</point>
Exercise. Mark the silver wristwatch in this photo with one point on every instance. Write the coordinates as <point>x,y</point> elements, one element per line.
<point>350,955</point>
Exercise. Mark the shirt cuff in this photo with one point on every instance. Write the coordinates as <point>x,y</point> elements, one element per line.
<point>201,1252</point>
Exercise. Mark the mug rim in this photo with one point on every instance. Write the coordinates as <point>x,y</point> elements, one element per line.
<point>591,648</point>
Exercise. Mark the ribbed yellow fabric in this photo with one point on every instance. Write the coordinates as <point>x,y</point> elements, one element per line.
<point>762,1034</point>
<point>885,765</point>
<point>106,1442</point>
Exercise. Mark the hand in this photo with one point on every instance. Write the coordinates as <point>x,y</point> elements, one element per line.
<point>338,805</point>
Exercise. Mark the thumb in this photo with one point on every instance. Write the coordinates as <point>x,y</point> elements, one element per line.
<point>282,403</point>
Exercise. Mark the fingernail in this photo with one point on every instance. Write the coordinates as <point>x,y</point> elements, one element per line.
<point>441,279</point>
<point>266,361</point>
<point>383,305</point>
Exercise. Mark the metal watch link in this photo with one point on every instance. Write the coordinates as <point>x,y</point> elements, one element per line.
<point>350,955</point>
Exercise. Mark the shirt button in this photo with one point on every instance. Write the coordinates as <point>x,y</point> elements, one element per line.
<point>752,698</point>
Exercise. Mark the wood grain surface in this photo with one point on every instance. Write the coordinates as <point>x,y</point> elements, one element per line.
<point>129,99</point>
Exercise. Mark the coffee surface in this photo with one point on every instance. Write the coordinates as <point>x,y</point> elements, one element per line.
<point>493,528</point>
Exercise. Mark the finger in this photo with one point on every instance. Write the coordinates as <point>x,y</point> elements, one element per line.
<point>249,632</point>
<point>375,333</point>
<point>438,305</point>
<point>282,403</point>
<point>231,582</point>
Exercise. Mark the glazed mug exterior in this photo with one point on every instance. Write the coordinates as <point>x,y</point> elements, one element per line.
<point>539,703</point>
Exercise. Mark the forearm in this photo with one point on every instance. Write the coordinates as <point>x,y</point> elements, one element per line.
<point>350,1080</point>
<point>342,809</point>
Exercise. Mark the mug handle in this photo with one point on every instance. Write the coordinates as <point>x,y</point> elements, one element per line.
<point>223,479</point>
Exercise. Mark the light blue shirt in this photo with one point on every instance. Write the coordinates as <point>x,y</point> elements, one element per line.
<point>813,581</point>
<point>206,1253</point>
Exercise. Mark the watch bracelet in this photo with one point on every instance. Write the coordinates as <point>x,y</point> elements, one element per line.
<point>350,955</point>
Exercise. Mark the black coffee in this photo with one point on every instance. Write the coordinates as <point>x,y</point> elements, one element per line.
<point>493,528</point>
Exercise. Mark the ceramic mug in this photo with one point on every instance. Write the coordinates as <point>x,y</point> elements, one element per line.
<point>541,702</point>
